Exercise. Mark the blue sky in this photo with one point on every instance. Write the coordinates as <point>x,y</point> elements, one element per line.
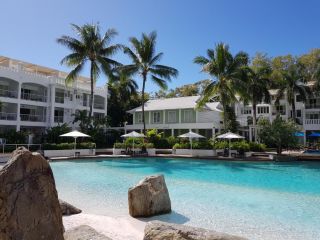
<point>185,28</point>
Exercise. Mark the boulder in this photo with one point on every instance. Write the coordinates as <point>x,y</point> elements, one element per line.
<point>29,206</point>
<point>149,197</point>
<point>68,209</point>
<point>157,230</point>
<point>84,232</point>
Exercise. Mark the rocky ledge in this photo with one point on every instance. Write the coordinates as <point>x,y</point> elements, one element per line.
<point>157,230</point>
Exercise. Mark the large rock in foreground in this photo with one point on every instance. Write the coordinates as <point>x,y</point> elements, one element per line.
<point>67,209</point>
<point>29,206</point>
<point>157,230</point>
<point>84,232</point>
<point>149,197</point>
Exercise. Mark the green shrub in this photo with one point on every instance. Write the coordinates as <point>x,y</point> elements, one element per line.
<point>65,146</point>
<point>130,145</point>
<point>181,146</point>
<point>241,146</point>
<point>257,147</point>
<point>220,144</point>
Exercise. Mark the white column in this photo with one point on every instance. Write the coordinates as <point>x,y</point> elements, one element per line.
<point>179,115</point>
<point>197,116</point>
<point>150,113</point>
<point>213,132</point>
<point>52,103</point>
<point>172,132</point>
<point>18,108</point>
<point>164,116</point>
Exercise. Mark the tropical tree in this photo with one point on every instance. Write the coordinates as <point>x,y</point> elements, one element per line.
<point>228,73</point>
<point>145,62</point>
<point>279,133</point>
<point>90,46</point>
<point>292,82</point>
<point>123,96</point>
<point>257,85</point>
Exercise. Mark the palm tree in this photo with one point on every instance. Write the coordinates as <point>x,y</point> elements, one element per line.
<point>145,62</point>
<point>122,89</point>
<point>257,88</point>
<point>292,82</point>
<point>89,47</point>
<point>123,84</point>
<point>228,72</point>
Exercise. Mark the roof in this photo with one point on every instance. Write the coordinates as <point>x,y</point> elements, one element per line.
<point>38,69</point>
<point>174,103</point>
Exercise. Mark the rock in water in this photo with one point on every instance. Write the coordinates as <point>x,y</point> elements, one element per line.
<point>84,232</point>
<point>149,197</point>
<point>68,209</point>
<point>157,230</point>
<point>29,206</point>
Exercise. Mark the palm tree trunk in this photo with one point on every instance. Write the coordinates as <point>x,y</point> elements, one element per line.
<point>293,107</point>
<point>91,96</point>
<point>225,117</point>
<point>254,119</point>
<point>143,87</point>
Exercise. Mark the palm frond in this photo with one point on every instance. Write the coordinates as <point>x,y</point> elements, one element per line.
<point>160,82</point>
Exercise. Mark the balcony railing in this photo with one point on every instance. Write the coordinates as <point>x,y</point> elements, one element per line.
<point>312,106</point>
<point>8,116</point>
<point>8,93</point>
<point>98,105</point>
<point>312,121</point>
<point>32,118</point>
<point>34,97</point>
<point>59,99</point>
<point>58,119</point>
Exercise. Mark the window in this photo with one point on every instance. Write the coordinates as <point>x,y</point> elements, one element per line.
<point>156,117</point>
<point>263,110</point>
<point>139,117</point>
<point>281,109</point>
<point>298,98</point>
<point>188,116</point>
<point>246,110</point>
<point>172,116</point>
<point>298,113</point>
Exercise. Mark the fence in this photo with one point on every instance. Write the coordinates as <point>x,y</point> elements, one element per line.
<point>11,147</point>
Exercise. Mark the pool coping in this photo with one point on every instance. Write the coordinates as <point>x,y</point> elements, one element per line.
<point>246,159</point>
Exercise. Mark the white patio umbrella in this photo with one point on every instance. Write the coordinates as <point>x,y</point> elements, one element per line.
<point>191,135</point>
<point>230,135</point>
<point>75,134</point>
<point>133,134</point>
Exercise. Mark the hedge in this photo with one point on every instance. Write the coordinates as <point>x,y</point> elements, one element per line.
<point>64,146</point>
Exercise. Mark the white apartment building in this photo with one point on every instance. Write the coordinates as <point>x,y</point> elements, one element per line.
<point>307,114</point>
<point>34,97</point>
<point>175,116</point>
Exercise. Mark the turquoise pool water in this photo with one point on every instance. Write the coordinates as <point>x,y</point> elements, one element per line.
<point>262,200</point>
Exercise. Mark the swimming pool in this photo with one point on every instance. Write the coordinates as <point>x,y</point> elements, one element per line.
<point>258,200</point>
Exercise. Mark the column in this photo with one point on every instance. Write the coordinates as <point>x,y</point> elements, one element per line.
<point>213,132</point>
<point>172,132</point>
<point>52,103</point>
<point>18,108</point>
<point>179,115</point>
<point>164,116</point>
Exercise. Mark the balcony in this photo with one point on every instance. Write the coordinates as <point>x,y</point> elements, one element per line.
<point>312,106</point>
<point>32,118</point>
<point>34,97</point>
<point>59,99</point>
<point>98,105</point>
<point>8,93</point>
<point>8,116</point>
<point>312,121</point>
<point>58,119</point>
